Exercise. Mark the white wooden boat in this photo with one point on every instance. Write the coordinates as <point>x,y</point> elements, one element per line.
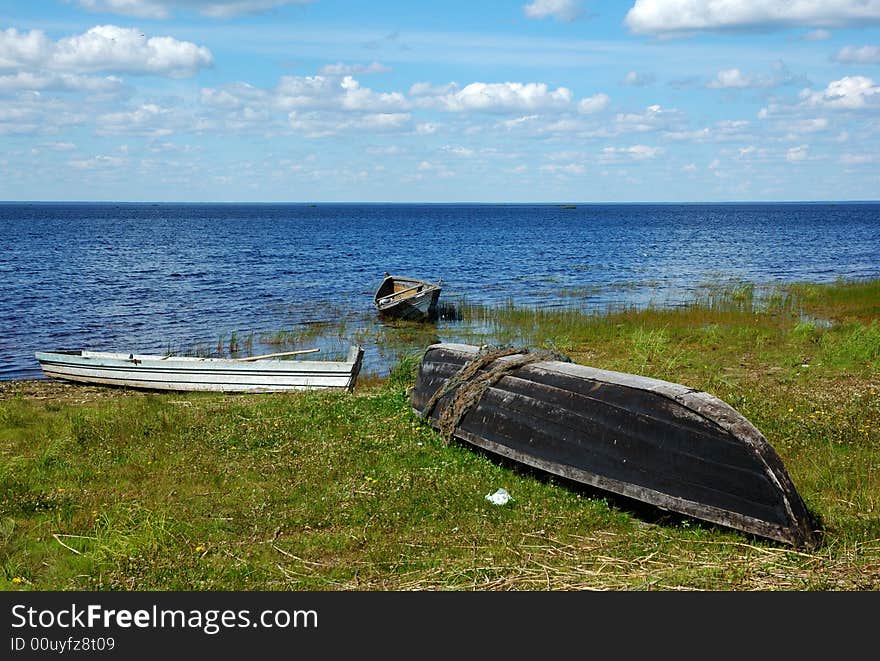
<point>153,372</point>
<point>407,298</point>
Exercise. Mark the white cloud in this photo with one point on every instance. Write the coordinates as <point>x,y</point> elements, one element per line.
<point>137,8</point>
<point>670,16</point>
<point>731,78</point>
<point>429,89</point>
<point>857,159</point>
<point>61,146</point>
<point>25,80</point>
<point>594,103</point>
<point>235,95</point>
<point>848,93</point>
<point>502,97</point>
<point>561,10</point>
<point>160,9</point>
<point>148,120</point>
<point>569,168</point>
<point>636,79</point>
<point>32,113</point>
<point>654,118</point>
<point>797,154</point>
<point>800,126</point>
<point>636,153</point>
<point>458,150</point>
<point>325,124</point>
<point>316,106</point>
<point>313,92</point>
<point>103,48</point>
<point>863,55</point>
<point>355,97</point>
<point>726,130</point>
<point>340,69</point>
<point>697,135</point>
<point>98,162</point>
<point>736,79</point>
<point>20,49</point>
<point>817,35</point>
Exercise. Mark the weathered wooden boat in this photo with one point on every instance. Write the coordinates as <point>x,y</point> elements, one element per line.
<point>153,372</point>
<point>658,442</point>
<point>407,298</point>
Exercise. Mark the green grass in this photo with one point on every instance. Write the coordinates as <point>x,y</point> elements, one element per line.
<point>117,490</point>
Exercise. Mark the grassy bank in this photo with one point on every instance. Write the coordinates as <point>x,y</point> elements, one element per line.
<point>112,489</point>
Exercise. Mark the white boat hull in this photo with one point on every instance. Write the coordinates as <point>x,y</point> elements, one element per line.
<point>184,373</point>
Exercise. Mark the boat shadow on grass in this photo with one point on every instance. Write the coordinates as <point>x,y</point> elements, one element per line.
<point>645,514</point>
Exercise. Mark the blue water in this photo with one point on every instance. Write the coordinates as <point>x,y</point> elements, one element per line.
<point>159,277</point>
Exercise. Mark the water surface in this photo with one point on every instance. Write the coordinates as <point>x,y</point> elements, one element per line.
<point>166,277</point>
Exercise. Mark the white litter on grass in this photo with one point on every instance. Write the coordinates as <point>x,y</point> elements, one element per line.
<point>500,497</point>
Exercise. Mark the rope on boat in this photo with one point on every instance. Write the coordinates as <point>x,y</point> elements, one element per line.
<point>470,387</point>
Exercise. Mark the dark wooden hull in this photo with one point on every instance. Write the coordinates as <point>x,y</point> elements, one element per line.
<point>658,442</point>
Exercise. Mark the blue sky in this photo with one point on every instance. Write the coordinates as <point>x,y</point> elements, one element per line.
<point>529,101</point>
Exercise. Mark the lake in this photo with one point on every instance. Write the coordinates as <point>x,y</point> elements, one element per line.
<point>257,278</point>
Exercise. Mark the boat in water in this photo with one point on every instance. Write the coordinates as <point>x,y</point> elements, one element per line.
<point>153,372</point>
<point>407,298</point>
<point>661,443</point>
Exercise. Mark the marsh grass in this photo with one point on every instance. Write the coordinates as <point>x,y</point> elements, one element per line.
<point>114,489</point>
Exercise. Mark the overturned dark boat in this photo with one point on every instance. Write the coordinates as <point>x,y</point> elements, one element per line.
<point>658,442</point>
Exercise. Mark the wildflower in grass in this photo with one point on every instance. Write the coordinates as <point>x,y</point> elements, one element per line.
<point>18,579</point>
<point>200,548</point>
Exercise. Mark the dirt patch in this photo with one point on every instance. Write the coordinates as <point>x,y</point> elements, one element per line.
<point>59,391</point>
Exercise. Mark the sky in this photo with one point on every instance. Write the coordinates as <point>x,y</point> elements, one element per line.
<point>384,101</point>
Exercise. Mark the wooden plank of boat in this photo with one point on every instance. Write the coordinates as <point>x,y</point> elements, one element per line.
<point>153,372</point>
<point>407,298</point>
<point>658,442</point>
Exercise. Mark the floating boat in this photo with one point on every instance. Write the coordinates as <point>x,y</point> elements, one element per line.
<point>407,298</point>
<point>152,372</point>
<point>658,442</point>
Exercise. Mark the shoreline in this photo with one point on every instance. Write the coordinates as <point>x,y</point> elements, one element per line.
<point>326,490</point>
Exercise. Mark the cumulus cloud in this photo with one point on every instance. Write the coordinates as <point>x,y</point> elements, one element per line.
<point>561,10</point>
<point>31,113</point>
<point>340,69</point>
<point>594,103</point>
<point>653,118</point>
<point>863,55</point>
<point>160,9</point>
<point>797,154</point>
<point>731,78</point>
<point>726,130</point>
<point>635,152</point>
<point>817,35</point>
<point>857,159</point>
<point>98,162</point>
<point>322,125</point>
<point>316,106</point>
<point>848,93</point>
<point>149,120</point>
<point>26,80</point>
<point>568,168</point>
<point>636,79</point>
<point>502,97</point>
<point>736,79</point>
<point>103,48</point>
<point>671,16</point>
